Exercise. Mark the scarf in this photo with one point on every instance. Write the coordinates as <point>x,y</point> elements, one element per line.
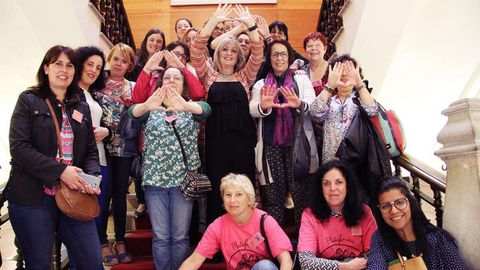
<point>282,135</point>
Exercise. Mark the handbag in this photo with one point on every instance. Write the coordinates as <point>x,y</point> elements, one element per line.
<point>73,203</point>
<point>415,263</point>
<point>390,130</point>
<point>195,185</point>
<point>301,149</point>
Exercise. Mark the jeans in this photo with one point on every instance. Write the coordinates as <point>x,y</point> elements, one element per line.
<point>170,215</point>
<point>35,228</point>
<point>265,265</point>
<point>117,187</point>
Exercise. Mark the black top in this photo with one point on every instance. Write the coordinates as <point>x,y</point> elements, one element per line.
<point>230,111</point>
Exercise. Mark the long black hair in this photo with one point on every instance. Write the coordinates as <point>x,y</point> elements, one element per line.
<point>143,54</point>
<point>421,225</point>
<point>267,67</point>
<point>43,85</point>
<point>353,208</point>
<point>83,53</point>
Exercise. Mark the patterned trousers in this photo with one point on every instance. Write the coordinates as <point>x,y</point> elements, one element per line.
<point>274,194</point>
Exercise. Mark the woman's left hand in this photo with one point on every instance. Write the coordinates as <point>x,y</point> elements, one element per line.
<point>177,102</point>
<point>100,133</point>
<point>292,99</point>
<point>244,16</point>
<point>353,73</point>
<point>173,60</point>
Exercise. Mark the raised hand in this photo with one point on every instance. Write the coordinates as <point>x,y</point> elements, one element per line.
<point>335,75</point>
<point>353,74</point>
<point>244,16</point>
<point>292,99</point>
<point>155,101</point>
<point>153,62</point>
<point>222,12</point>
<point>262,26</point>
<point>173,60</point>
<point>177,102</point>
<point>267,97</point>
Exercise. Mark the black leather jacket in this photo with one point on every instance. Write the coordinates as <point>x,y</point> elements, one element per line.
<point>33,146</point>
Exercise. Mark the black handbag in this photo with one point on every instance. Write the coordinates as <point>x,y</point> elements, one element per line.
<point>301,149</point>
<point>195,185</point>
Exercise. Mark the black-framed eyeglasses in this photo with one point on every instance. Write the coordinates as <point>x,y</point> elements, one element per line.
<point>400,204</point>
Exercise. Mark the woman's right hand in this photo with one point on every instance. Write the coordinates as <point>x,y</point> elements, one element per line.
<point>153,62</point>
<point>222,12</point>
<point>267,98</point>
<point>355,264</point>
<point>71,178</point>
<point>335,75</point>
<point>155,101</point>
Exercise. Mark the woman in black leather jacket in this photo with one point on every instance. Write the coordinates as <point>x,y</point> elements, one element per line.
<point>36,168</point>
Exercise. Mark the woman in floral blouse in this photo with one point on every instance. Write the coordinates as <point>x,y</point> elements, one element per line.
<point>163,168</point>
<point>115,99</point>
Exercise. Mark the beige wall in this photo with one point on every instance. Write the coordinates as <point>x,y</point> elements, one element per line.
<point>301,17</point>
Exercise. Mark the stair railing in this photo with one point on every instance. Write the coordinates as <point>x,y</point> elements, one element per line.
<point>420,175</point>
<point>115,25</point>
<point>330,23</point>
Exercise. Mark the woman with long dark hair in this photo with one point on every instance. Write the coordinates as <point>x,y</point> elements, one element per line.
<point>403,228</point>
<point>38,165</point>
<point>336,227</point>
<point>154,41</point>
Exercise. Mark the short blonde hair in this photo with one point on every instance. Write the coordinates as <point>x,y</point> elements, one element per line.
<point>126,51</point>
<point>240,60</point>
<point>241,181</point>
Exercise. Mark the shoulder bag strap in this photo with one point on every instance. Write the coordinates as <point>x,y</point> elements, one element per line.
<point>185,161</point>
<point>57,128</point>
<point>264,235</point>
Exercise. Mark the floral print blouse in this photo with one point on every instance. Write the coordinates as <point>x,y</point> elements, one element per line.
<point>163,164</point>
<point>336,116</point>
<point>114,99</point>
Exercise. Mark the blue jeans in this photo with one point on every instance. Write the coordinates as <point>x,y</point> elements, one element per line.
<point>35,228</point>
<point>170,215</point>
<point>265,265</point>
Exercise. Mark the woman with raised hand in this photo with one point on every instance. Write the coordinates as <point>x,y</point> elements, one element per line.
<point>115,99</point>
<point>37,165</point>
<point>164,113</point>
<point>276,100</point>
<point>404,230</point>
<point>336,227</point>
<point>230,130</point>
<point>238,235</point>
<point>154,41</point>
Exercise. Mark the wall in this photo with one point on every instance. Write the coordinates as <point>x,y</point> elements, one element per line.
<point>301,17</point>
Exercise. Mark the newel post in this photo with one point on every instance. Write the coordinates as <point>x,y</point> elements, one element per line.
<point>461,153</point>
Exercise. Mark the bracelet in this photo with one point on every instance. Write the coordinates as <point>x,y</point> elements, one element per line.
<point>361,87</point>
<point>250,29</point>
<point>329,90</point>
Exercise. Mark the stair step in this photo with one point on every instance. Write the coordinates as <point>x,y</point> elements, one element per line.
<point>139,263</point>
<point>139,243</point>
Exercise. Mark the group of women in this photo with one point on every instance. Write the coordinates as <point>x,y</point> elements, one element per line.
<point>251,94</point>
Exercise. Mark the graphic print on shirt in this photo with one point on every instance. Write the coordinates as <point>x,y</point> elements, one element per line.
<point>340,247</point>
<point>244,255</point>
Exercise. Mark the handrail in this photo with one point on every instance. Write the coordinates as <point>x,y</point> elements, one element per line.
<point>115,25</point>
<point>419,171</point>
<point>330,22</point>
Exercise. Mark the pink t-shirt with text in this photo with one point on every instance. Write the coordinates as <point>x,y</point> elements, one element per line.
<point>333,239</point>
<point>242,245</point>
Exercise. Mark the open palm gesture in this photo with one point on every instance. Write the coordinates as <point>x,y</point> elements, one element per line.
<point>155,101</point>
<point>267,98</point>
<point>292,99</point>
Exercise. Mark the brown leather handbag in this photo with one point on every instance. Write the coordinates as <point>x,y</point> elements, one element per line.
<point>415,263</point>
<point>73,203</point>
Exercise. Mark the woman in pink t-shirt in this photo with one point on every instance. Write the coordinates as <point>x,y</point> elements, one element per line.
<point>237,233</point>
<point>336,227</point>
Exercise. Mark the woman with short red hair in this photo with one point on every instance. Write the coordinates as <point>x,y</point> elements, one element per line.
<point>315,45</point>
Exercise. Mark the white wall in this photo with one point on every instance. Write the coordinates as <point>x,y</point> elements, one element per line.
<point>29,28</point>
<point>420,56</point>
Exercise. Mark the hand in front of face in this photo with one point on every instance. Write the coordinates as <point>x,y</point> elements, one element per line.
<point>335,76</point>
<point>267,98</point>
<point>244,16</point>
<point>222,12</point>
<point>154,62</point>
<point>177,102</point>
<point>155,101</point>
<point>353,74</point>
<point>173,60</point>
<point>292,99</point>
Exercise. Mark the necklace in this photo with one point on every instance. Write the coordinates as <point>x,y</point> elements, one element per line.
<point>225,76</point>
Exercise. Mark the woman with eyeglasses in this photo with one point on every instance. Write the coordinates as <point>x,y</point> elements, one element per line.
<point>276,101</point>
<point>404,229</point>
<point>166,112</point>
<point>336,227</point>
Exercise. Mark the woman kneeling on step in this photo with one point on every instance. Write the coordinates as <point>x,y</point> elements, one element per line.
<point>237,234</point>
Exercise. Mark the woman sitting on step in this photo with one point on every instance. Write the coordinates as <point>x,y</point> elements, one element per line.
<point>237,234</point>
<point>336,227</point>
<point>165,114</point>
